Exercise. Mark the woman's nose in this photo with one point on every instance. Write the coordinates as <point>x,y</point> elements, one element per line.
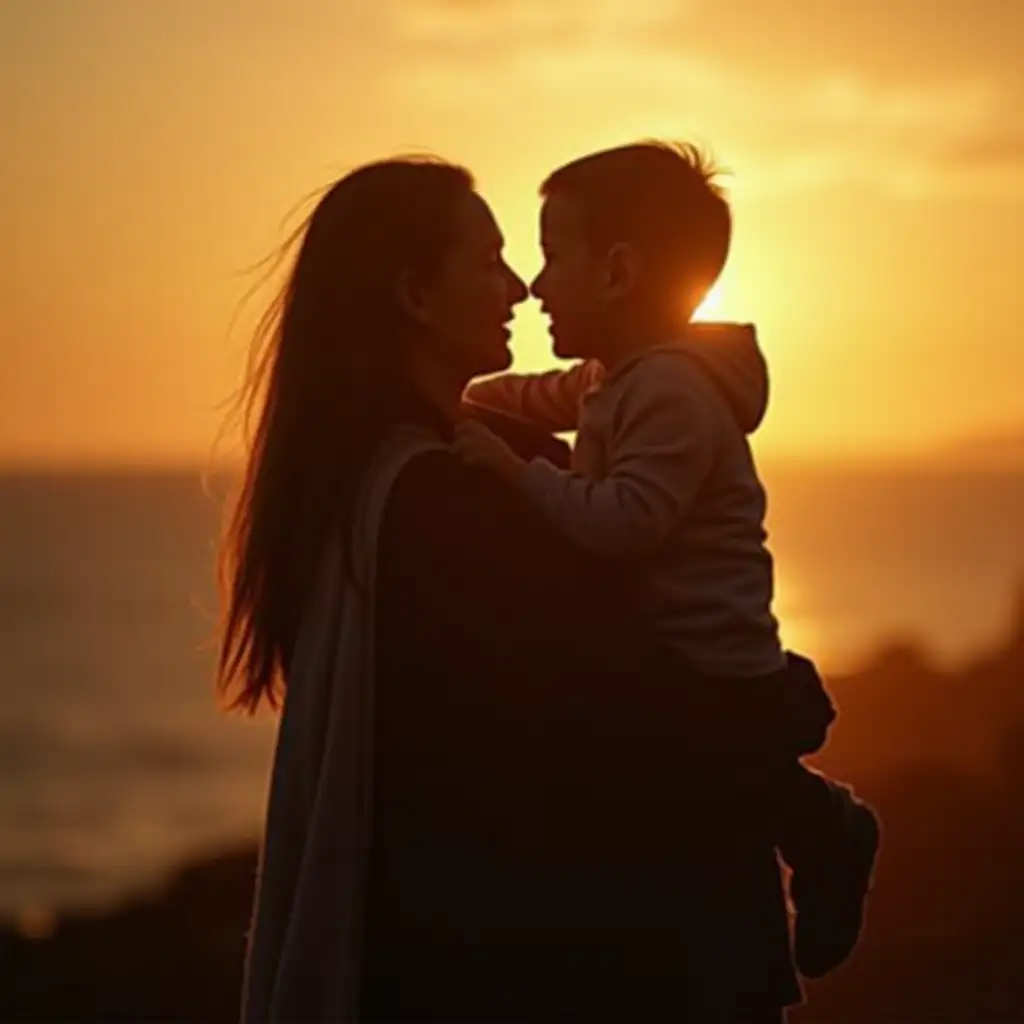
<point>518,292</point>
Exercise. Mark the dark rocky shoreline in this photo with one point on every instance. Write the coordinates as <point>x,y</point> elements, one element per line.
<point>171,955</point>
<point>941,754</point>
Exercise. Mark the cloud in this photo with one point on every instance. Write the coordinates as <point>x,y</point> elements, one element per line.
<point>455,24</point>
<point>993,151</point>
<point>504,25</point>
<point>580,70</point>
<point>784,35</point>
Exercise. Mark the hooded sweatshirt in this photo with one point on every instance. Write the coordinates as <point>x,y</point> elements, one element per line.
<point>663,480</point>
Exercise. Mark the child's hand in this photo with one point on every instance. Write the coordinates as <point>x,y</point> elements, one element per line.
<point>481,447</point>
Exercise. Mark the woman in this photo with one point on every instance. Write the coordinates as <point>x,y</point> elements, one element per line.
<point>485,801</point>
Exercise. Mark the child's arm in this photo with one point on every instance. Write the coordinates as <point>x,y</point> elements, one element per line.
<point>661,452</point>
<point>548,400</point>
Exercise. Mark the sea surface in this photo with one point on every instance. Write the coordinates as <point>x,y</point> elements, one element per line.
<point>115,762</point>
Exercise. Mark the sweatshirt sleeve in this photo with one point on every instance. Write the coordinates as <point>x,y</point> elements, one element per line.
<point>549,400</point>
<point>662,447</point>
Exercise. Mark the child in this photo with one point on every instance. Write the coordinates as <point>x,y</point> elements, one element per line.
<point>662,478</point>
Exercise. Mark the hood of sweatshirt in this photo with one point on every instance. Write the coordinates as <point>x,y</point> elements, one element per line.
<point>731,357</point>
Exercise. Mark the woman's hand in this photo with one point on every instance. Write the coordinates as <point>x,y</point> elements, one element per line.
<point>479,446</point>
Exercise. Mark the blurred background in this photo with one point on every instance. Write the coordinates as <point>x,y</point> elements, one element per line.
<point>154,152</point>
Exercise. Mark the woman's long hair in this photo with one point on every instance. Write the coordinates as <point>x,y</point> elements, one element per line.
<point>321,389</point>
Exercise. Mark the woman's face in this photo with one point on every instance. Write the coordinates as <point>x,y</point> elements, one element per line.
<point>464,310</point>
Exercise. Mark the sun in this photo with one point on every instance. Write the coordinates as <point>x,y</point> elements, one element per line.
<point>712,306</point>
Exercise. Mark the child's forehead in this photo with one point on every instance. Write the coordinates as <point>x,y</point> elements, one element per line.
<point>561,217</point>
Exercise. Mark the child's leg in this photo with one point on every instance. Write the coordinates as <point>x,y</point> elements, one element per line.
<point>829,840</point>
<point>806,809</point>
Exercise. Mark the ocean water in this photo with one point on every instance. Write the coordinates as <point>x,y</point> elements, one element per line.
<point>115,763</point>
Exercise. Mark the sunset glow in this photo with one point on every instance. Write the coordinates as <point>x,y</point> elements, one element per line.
<point>878,191</point>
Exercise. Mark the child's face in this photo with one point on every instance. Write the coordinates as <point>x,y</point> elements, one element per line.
<point>571,284</point>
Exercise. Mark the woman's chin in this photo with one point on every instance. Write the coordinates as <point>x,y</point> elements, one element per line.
<point>500,358</point>
<point>503,359</point>
<point>503,350</point>
<point>561,349</point>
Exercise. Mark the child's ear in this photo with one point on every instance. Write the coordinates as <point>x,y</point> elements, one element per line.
<point>623,267</point>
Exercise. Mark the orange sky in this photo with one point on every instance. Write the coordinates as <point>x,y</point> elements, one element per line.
<point>151,150</point>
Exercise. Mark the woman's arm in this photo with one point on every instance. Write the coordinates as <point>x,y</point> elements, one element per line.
<point>525,439</point>
<point>557,815</point>
<point>496,603</point>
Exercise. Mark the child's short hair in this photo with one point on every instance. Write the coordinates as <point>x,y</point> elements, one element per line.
<point>660,196</point>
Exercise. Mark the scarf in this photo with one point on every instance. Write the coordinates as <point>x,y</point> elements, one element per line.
<point>303,960</point>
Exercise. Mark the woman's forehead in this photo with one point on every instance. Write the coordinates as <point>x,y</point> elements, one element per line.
<point>477,225</point>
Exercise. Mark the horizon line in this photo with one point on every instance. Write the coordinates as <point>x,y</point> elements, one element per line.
<point>958,457</point>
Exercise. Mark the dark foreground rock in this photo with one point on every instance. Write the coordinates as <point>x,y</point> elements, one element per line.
<point>173,956</point>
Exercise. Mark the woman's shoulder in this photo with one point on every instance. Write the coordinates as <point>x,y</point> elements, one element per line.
<point>437,493</point>
<point>449,512</point>
<point>438,478</point>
